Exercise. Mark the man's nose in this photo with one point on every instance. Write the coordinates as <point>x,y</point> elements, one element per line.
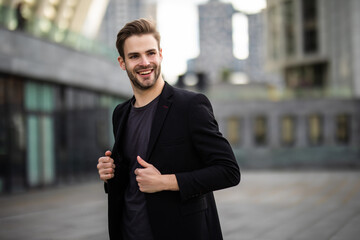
<point>144,61</point>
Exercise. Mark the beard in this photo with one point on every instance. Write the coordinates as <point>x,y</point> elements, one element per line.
<point>137,83</point>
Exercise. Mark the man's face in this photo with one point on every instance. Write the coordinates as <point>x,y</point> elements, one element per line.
<point>142,60</point>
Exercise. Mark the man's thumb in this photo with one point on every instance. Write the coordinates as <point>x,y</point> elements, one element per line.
<point>142,162</point>
<point>108,153</point>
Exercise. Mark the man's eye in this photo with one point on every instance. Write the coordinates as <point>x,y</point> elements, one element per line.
<point>133,57</point>
<point>152,53</point>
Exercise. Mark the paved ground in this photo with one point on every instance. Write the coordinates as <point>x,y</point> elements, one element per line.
<point>266,205</point>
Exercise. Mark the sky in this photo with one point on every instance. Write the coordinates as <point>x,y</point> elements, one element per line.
<point>177,21</point>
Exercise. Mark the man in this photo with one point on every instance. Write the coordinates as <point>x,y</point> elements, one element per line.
<point>168,156</point>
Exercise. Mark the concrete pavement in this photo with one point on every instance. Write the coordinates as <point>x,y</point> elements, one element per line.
<point>266,205</point>
<point>292,205</point>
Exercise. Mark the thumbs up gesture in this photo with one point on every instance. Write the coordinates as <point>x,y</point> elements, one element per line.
<point>149,178</point>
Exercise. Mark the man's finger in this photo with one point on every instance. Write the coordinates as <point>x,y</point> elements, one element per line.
<point>106,176</point>
<point>106,171</point>
<point>108,153</point>
<point>142,162</point>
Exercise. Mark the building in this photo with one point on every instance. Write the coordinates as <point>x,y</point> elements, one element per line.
<point>314,121</point>
<point>216,42</point>
<point>216,68</point>
<point>254,64</point>
<point>119,12</point>
<point>314,44</point>
<point>299,106</point>
<point>297,133</point>
<point>58,88</point>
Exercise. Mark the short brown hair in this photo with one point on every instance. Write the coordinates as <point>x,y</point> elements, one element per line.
<point>137,27</point>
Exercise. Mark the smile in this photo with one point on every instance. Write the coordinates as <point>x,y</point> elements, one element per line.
<point>145,72</point>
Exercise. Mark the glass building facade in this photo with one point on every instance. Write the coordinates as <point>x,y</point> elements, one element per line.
<point>50,133</point>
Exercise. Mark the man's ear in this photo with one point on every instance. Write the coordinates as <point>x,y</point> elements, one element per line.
<point>160,53</point>
<point>121,62</point>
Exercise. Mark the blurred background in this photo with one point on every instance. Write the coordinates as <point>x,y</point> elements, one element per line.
<point>283,77</point>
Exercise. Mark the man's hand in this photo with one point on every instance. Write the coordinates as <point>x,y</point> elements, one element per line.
<point>106,167</point>
<point>150,179</point>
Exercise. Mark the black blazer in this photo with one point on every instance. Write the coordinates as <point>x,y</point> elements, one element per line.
<point>185,141</point>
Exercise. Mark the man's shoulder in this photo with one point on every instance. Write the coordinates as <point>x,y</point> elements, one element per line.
<point>186,95</point>
<point>121,106</point>
<point>120,109</point>
<point>190,97</point>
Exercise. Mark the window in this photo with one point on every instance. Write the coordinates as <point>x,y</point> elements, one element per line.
<point>14,94</point>
<point>3,120</point>
<point>343,129</point>
<point>288,130</point>
<point>289,27</point>
<point>260,130</point>
<point>306,76</point>
<point>40,155</point>
<point>273,32</point>
<point>315,129</point>
<point>2,91</point>
<point>233,130</point>
<point>39,97</point>
<point>3,135</point>
<point>102,133</point>
<point>310,31</point>
<point>81,99</point>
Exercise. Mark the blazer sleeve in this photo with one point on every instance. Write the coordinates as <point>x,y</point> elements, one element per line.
<point>220,169</point>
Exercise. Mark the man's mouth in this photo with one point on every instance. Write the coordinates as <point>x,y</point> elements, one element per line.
<point>145,72</point>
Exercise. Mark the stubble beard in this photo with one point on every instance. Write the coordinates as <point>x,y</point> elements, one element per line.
<point>137,83</point>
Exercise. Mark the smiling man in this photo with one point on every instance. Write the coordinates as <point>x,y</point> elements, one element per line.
<point>169,155</point>
<point>143,59</point>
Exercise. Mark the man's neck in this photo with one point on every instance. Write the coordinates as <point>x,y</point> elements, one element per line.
<point>144,97</point>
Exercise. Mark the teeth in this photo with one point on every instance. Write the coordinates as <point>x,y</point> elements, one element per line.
<point>144,73</point>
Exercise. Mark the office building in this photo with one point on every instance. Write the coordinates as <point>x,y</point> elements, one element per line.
<point>58,87</point>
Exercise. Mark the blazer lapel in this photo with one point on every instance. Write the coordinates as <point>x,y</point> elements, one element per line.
<point>162,110</point>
